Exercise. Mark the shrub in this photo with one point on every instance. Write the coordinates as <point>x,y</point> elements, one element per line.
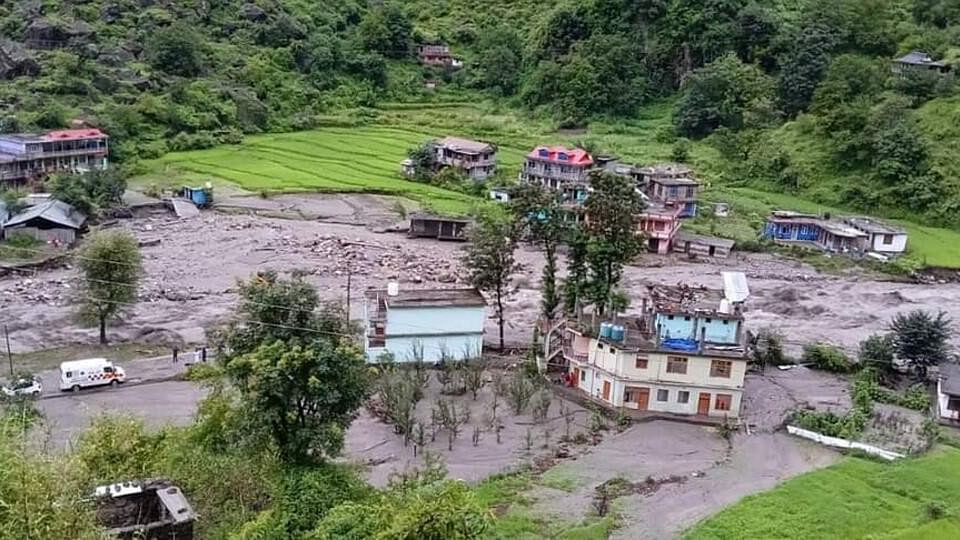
<point>827,358</point>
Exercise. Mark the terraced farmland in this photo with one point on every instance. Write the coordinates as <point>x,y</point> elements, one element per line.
<point>365,159</point>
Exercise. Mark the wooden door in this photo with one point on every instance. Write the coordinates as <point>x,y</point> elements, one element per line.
<point>576,378</point>
<point>643,398</point>
<point>606,390</point>
<point>703,405</point>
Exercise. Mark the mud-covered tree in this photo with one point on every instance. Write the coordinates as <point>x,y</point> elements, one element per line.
<point>920,338</point>
<point>489,258</point>
<point>613,239</point>
<point>110,270</point>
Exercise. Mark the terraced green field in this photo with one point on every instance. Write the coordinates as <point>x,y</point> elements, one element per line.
<point>343,160</point>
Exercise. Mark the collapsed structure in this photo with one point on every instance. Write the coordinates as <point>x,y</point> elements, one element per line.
<point>147,510</point>
<point>685,354</point>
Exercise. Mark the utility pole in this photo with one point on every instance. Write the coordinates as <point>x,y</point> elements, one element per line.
<point>6,335</point>
<point>349,279</point>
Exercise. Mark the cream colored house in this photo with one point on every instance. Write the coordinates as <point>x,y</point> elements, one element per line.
<point>679,363</point>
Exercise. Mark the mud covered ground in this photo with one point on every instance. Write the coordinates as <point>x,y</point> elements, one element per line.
<point>192,265</point>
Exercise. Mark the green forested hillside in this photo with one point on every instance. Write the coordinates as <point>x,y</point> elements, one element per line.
<point>793,97</point>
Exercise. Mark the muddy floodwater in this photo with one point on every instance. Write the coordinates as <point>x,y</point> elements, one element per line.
<point>192,265</point>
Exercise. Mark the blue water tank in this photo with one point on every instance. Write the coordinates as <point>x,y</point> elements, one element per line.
<point>606,330</point>
<point>619,333</point>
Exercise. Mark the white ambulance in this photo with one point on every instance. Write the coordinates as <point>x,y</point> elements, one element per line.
<point>79,374</point>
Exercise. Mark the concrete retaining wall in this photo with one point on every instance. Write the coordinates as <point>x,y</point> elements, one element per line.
<point>843,443</point>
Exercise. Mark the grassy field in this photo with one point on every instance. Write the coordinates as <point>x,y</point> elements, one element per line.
<point>44,359</point>
<point>857,498</point>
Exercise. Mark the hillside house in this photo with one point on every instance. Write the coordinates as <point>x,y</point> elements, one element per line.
<point>793,228</point>
<point>917,61</point>
<point>948,393</point>
<point>670,183</point>
<point>855,235</point>
<point>672,360</point>
<point>559,169</point>
<point>477,160</point>
<point>659,224</point>
<point>52,221</point>
<point>882,238</point>
<point>439,227</point>
<point>437,55</point>
<point>25,157</point>
<point>431,324</point>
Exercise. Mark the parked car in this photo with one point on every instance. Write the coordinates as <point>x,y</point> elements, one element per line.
<point>26,386</point>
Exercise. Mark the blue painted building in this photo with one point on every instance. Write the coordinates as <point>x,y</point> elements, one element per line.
<point>432,323</point>
<point>712,327</point>
<point>786,227</point>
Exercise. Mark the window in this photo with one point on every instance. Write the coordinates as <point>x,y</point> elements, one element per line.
<point>663,395</point>
<point>641,362</point>
<point>629,397</point>
<point>708,321</point>
<point>658,225</point>
<point>676,364</point>
<point>721,368</point>
<point>600,345</point>
<point>669,317</point>
<point>726,321</point>
<point>683,396</point>
<point>107,369</point>
<point>722,402</point>
<point>583,375</point>
<point>887,239</point>
<point>953,404</point>
<point>69,374</point>
<point>687,318</point>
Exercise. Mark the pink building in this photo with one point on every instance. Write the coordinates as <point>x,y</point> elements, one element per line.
<point>28,156</point>
<point>659,224</point>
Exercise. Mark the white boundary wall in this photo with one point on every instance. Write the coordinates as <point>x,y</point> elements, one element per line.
<point>843,443</point>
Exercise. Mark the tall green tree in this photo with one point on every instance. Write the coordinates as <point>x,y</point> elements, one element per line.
<point>921,339</point>
<point>576,284</point>
<point>613,238</point>
<point>178,49</point>
<point>721,94</point>
<point>539,214</point>
<point>489,258</point>
<point>303,395</point>
<point>110,270</point>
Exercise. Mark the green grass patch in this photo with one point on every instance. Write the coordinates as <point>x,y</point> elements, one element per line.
<point>856,498</point>
<point>559,478</point>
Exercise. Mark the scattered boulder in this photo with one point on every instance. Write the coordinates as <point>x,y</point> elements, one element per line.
<point>253,13</point>
<point>44,33</point>
<point>16,61</point>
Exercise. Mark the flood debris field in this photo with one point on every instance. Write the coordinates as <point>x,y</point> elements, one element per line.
<point>674,474</point>
<point>192,265</point>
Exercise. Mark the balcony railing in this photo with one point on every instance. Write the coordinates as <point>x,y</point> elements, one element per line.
<point>573,355</point>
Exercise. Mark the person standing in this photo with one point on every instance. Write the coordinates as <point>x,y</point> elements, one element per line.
<point>176,353</point>
<point>203,354</point>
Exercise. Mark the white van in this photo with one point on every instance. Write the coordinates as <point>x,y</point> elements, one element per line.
<point>79,374</point>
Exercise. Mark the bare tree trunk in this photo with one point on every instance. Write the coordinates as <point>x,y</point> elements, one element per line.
<point>103,330</point>
<point>500,313</point>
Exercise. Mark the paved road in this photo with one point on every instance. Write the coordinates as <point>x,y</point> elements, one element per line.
<point>149,393</point>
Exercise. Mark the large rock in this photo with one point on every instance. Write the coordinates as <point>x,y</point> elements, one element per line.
<point>253,12</point>
<point>47,34</point>
<point>16,61</point>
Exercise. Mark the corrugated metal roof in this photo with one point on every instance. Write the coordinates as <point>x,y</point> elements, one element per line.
<point>950,378</point>
<point>57,212</point>
<point>465,146</point>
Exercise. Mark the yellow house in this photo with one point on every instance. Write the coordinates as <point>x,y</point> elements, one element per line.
<point>679,363</point>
